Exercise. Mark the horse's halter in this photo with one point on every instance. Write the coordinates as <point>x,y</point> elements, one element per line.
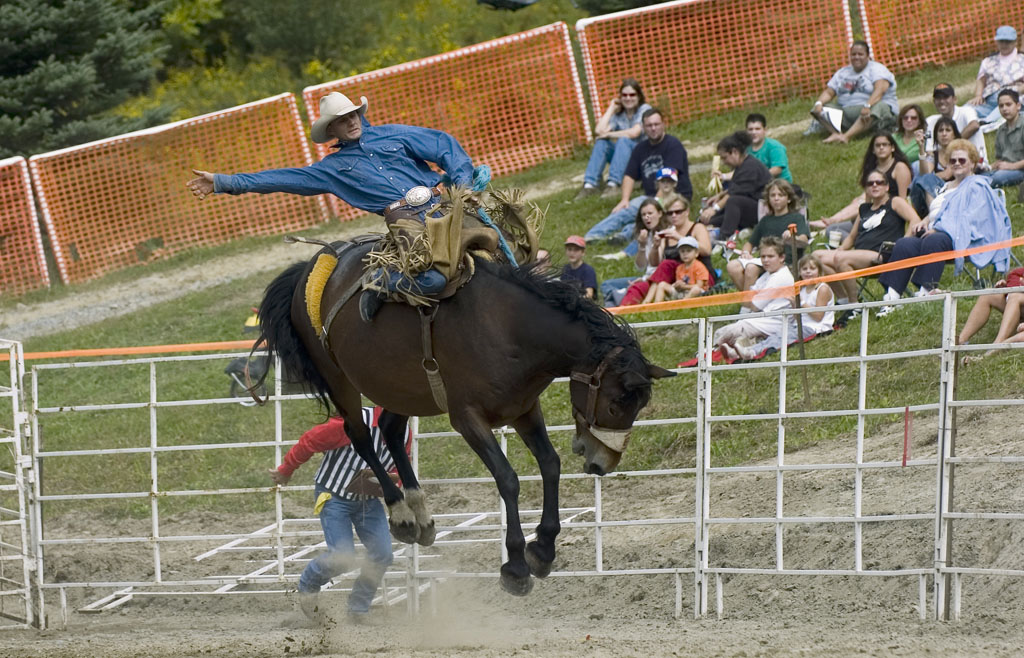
<point>614,439</point>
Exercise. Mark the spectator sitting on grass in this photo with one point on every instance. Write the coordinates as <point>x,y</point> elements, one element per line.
<point>770,152</point>
<point>576,270</point>
<point>667,179</point>
<point>965,213</point>
<point>677,209</point>
<point>883,155</point>
<point>783,204</point>
<point>1009,304</point>
<point>1008,168</point>
<point>934,166</point>
<point>866,93</point>
<point>909,135</point>
<point>735,340</point>
<point>650,156</point>
<point>883,219</point>
<point>616,133</point>
<point>965,118</point>
<point>1000,70</point>
<point>736,208</point>
<point>691,278</point>
<point>650,219</point>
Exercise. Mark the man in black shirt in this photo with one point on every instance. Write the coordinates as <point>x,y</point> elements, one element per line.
<point>659,150</point>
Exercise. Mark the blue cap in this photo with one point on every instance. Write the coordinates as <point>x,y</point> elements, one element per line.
<point>1006,33</point>
<point>667,172</point>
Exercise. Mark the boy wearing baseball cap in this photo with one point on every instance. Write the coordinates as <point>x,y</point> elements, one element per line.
<point>691,278</point>
<point>576,270</point>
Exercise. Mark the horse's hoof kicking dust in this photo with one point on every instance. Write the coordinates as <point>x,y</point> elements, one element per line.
<point>538,567</point>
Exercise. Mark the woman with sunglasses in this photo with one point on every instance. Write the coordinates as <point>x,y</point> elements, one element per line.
<point>616,133</point>
<point>934,166</point>
<point>677,209</point>
<point>909,133</point>
<point>966,212</point>
<point>882,218</point>
<point>883,155</point>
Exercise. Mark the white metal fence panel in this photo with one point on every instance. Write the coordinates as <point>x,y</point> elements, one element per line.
<point>180,522</point>
<point>17,562</point>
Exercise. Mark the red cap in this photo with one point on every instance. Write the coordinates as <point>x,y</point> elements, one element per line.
<point>576,240</point>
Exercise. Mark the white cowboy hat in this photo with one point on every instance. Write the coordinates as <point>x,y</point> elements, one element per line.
<point>332,106</point>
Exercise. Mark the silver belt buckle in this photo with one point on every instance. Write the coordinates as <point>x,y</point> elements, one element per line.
<point>418,196</point>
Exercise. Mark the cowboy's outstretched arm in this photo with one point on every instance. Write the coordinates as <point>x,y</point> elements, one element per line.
<point>305,181</point>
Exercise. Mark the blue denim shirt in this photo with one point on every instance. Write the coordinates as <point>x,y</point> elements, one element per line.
<point>385,163</point>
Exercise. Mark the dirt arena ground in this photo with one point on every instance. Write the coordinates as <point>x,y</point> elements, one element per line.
<point>633,615</point>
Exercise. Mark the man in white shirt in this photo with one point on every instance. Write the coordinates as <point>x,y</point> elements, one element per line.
<point>965,118</point>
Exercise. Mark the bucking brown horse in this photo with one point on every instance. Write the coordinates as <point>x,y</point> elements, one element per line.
<point>496,344</point>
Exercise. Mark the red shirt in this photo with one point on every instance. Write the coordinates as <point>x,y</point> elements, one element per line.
<point>321,438</point>
<point>1015,278</point>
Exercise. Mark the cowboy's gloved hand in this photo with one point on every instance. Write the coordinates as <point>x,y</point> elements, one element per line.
<point>481,177</point>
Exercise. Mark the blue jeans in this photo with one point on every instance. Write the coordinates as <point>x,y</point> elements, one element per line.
<point>612,290</point>
<point>923,276</point>
<point>337,517</point>
<point>989,107</point>
<point>615,154</point>
<point>1005,178</point>
<point>619,222</point>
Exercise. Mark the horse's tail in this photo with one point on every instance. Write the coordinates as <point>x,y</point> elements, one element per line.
<point>280,337</point>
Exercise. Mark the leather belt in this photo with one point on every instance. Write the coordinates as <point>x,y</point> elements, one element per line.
<point>415,197</point>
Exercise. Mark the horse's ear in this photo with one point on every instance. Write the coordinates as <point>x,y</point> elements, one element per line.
<point>634,380</point>
<point>657,372</point>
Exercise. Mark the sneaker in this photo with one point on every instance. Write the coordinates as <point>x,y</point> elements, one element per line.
<point>611,192</point>
<point>586,192</point>
<point>886,310</point>
<point>813,129</point>
<point>618,255</point>
<point>847,315</point>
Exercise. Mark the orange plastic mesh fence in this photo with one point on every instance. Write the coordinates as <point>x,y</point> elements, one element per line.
<point>696,57</point>
<point>907,35</point>
<point>123,201</point>
<point>511,102</point>
<point>22,263</point>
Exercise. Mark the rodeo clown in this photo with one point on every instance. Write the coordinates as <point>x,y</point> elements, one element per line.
<point>379,169</point>
<point>347,497</point>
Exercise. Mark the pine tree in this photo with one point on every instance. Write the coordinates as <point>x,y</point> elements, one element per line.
<point>64,64</point>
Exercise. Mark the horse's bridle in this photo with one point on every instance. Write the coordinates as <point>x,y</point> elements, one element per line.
<point>614,439</point>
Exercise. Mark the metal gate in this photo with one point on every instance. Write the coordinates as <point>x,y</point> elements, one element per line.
<point>17,559</point>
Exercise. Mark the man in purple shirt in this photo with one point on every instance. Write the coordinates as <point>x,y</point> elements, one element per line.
<point>379,169</point>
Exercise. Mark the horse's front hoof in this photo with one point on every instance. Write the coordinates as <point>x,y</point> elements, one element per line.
<point>407,533</point>
<point>427,535</point>
<point>513,584</point>
<point>539,567</point>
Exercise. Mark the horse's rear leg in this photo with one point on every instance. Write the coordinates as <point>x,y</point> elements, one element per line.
<point>515,574</point>
<point>540,553</point>
<point>393,427</point>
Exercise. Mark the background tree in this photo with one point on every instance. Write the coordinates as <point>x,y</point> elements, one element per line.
<point>228,52</point>
<point>64,65</point>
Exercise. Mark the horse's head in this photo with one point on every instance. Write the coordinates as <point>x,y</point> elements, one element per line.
<point>605,402</point>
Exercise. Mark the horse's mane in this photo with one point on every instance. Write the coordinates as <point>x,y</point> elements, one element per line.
<point>606,331</point>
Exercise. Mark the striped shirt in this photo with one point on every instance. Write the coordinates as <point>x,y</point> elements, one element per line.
<point>340,463</point>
